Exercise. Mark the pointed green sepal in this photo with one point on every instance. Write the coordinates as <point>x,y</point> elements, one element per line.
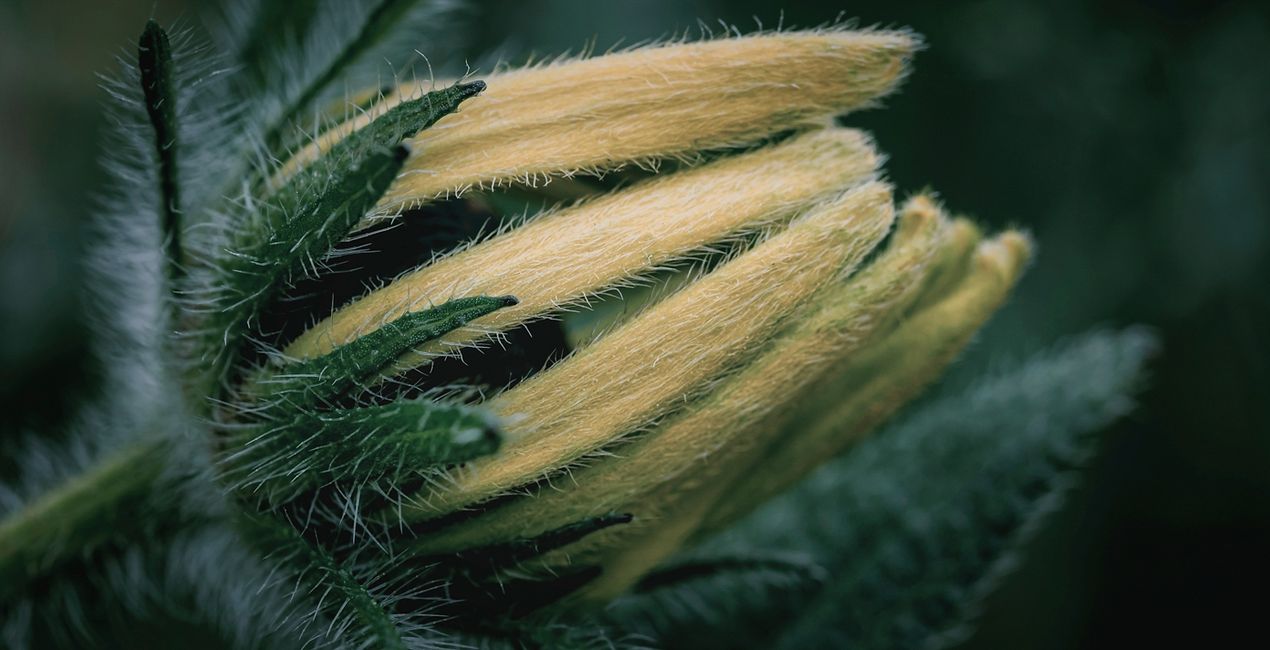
<point>296,226</point>
<point>337,593</point>
<point>301,385</point>
<point>484,560</point>
<point>387,446</point>
<point>408,118</point>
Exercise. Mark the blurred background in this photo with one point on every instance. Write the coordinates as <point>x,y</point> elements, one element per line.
<point>1131,137</point>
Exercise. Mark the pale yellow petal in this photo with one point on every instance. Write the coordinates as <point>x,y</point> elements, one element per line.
<point>666,355</point>
<point>646,475</point>
<point>885,375</point>
<point>557,260</point>
<point>665,101</point>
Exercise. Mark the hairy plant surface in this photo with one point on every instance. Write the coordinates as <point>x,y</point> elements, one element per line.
<point>364,392</point>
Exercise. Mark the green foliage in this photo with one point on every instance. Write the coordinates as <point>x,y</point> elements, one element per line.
<point>75,520</point>
<point>913,525</point>
<point>294,55</point>
<point>267,30</point>
<point>342,597</point>
<point>306,438</point>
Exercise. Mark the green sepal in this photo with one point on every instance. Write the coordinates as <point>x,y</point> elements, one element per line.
<point>302,385</point>
<point>794,570</point>
<point>486,560</point>
<point>301,222</point>
<point>337,591</point>
<point>687,603</point>
<point>491,584</point>
<point>500,603</point>
<point>408,118</point>
<point>384,445</point>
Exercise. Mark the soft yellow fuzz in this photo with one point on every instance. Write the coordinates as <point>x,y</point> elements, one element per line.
<point>951,262</point>
<point>668,354</point>
<point>887,373</point>
<point>726,432</point>
<point>648,473</point>
<point>851,355</point>
<point>915,354</point>
<point>558,259</point>
<point>651,103</point>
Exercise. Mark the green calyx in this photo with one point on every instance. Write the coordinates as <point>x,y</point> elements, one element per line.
<point>296,225</point>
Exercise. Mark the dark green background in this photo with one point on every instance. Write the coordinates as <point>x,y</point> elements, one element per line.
<point>1132,138</point>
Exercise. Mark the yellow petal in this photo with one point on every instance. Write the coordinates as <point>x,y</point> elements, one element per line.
<point>667,354</point>
<point>642,105</point>
<point>647,474</point>
<point>558,259</point>
<point>886,374</point>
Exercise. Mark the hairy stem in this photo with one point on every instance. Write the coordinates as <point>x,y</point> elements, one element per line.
<point>85,512</point>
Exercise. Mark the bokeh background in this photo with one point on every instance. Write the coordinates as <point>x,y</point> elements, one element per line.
<point>1131,137</point>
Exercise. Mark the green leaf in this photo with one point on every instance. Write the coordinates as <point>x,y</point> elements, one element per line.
<point>914,524</point>
<point>297,57</point>
<point>99,505</point>
<point>711,601</point>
